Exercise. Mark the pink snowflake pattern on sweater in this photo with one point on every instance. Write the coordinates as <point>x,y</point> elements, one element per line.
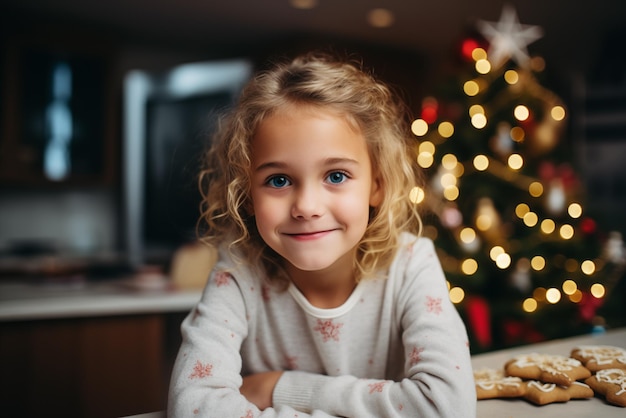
<point>415,356</point>
<point>433,305</point>
<point>249,414</point>
<point>377,387</point>
<point>222,278</point>
<point>328,329</point>
<point>201,370</point>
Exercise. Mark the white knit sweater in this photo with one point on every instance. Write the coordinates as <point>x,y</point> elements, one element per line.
<point>396,348</point>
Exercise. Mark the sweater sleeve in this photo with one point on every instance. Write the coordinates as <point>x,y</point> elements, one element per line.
<point>438,379</point>
<point>206,376</point>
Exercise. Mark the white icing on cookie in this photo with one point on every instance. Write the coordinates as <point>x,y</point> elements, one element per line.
<point>489,379</point>
<point>613,376</point>
<point>548,363</point>
<point>544,387</point>
<point>603,354</point>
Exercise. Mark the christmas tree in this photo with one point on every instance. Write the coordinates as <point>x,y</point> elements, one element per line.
<point>503,201</point>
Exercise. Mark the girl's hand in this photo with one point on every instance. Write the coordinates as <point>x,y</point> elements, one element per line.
<point>258,388</point>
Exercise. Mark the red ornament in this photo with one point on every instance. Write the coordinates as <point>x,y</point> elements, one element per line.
<point>467,47</point>
<point>430,110</point>
<point>479,316</point>
<point>429,114</point>
<point>588,226</point>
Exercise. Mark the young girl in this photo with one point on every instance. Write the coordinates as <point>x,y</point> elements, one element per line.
<point>324,301</point>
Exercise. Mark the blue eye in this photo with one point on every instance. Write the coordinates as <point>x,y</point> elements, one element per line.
<point>336,177</point>
<point>278,182</point>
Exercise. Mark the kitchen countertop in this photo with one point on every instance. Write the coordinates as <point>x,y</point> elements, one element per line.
<point>26,300</point>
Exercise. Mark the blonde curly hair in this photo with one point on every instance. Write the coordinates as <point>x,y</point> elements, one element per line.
<point>338,85</point>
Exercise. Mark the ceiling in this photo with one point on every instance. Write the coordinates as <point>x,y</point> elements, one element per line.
<point>575,32</point>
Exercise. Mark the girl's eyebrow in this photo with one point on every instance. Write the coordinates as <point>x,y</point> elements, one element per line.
<point>271,164</point>
<point>327,162</point>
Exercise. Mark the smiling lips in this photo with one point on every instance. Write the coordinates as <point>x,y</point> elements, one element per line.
<point>309,236</point>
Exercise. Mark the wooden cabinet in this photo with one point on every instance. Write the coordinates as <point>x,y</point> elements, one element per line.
<point>87,367</point>
<point>58,123</point>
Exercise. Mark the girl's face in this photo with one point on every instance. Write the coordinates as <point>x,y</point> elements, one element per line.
<point>312,188</point>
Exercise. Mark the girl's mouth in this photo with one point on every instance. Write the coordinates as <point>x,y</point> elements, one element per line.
<point>309,236</point>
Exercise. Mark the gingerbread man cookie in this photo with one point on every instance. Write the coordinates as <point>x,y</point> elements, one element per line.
<point>600,357</point>
<point>547,368</point>
<point>492,383</point>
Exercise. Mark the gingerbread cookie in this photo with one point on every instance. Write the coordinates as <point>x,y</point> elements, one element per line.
<point>547,368</point>
<point>610,383</point>
<point>492,383</point>
<point>600,357</point>
<point>541,393</point>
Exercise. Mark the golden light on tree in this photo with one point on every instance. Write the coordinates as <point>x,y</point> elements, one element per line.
<point>515,161</point>
<point>521,210</point>
<point>479,120</point>
<point>548,226</point>
<point>481,162</point>
<point>483,66</point>
<point>495,252</point>
<point>469,266</point>
<point>597,290</point>
<point>449,161</point>
<point>521,113</point>
<point>503,261</point>
<point>511,76</point>
<point>425,159</point>
<point>535,189</point>
<point>588,267</point>
<point>538,263</point>
<point>451,193</point>
<point>445,129</point>
<point>575,210</point>
<point>471,88</point>
<point>566,231</point>
<point>427,146</point>
<point>558,113</point>
<point>475,110</point>
<point>553,295</point>
<point>576,297</point>
<point>467,235</point>
<point>569,287</point>
<point>457,295</point>
<point>479,54</point>
<point>531,219</point>
<point>517,134</point>
<point>529,305</point>
<point>419,127</point>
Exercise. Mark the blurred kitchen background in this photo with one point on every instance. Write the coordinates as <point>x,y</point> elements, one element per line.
<point>106,107</point>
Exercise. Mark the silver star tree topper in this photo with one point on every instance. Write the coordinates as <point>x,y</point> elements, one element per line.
<point>508,38</point>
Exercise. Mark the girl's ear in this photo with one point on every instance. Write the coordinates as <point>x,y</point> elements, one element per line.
<point>376,193</point>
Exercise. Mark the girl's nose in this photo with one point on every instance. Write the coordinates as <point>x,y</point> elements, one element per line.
<point>307,202</point>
